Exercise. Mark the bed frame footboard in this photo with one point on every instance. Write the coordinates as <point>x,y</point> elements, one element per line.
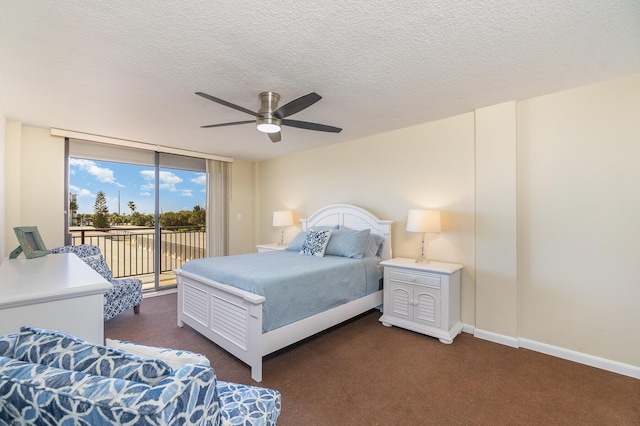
<point>229,317</point>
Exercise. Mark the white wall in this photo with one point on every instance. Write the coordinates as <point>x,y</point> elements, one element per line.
<point>578,210</point>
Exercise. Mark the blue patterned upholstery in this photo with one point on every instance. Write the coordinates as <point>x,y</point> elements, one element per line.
<point>239,403</point>
<point>126,292</point>
<point>60,350</point>
<point>38,394</point>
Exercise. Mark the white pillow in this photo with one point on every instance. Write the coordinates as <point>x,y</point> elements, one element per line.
<point>175,358</point>
<point>316,243</point>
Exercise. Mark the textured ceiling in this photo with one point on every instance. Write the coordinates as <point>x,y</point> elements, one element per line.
<point>130,69</point>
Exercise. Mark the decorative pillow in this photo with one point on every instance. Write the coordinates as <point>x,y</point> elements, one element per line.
<point>99,264</point>
<point>316,243</point>
<point>348,243</point>
<point>374,245</point>
<point>297,242</point>
<point>175,358</point>
<point>59,350</point>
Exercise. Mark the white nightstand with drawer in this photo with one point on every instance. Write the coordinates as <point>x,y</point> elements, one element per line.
<point>422,297</point>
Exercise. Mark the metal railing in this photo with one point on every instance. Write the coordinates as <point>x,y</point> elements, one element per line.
<point>129,250</point>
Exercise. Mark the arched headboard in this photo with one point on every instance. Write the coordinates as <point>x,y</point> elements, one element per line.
<point>352,217</point>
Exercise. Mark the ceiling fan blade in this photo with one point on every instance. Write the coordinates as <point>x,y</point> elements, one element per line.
<point>297,105</point>
<point>228,124</point>
<point>311,126</point>
<point>227,104</point>
<point>275,137</point>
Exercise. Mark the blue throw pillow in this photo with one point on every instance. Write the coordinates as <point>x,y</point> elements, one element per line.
<point>297,242</point>
<point>348,243</point>
<point>374,245</point>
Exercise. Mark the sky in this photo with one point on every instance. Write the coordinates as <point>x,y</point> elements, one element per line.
<point>179,189</point>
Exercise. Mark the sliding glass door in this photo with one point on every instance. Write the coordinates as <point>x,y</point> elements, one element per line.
<point>182,206</point>
<point>145,210</point>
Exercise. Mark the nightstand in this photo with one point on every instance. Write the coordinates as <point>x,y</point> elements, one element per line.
<point>422,297</point>
<point>269,247</point>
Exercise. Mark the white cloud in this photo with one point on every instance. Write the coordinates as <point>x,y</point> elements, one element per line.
<point>186,193</point>
<point>201,179</point>
<point>80,192</point>
<point>168,180</point>
<point>102,174</point>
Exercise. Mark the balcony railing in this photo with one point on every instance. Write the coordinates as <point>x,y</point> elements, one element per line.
<point>129,250</point>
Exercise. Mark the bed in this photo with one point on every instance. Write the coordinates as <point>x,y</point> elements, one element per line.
<point>231,312</point>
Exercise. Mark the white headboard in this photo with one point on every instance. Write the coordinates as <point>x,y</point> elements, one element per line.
<point>352,217</point>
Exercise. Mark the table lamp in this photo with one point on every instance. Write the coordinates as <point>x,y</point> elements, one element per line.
<point>282,218</point>
<point>423,221</point>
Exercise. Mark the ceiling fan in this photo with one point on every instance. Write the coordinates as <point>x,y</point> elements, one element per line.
<point>270,118</point>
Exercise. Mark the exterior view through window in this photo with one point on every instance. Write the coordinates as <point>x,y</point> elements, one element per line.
<point>113,205</point>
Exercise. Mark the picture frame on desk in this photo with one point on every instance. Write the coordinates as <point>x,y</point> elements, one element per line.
<point>30,243</point>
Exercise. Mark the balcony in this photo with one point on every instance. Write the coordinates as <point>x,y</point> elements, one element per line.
<point>129,250</point>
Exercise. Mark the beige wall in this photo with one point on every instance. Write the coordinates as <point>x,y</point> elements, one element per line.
<point>425,166</point>
<point>578,210</point>
<point>3,169</point>
<point>496,222</point>
<point>34,190</point>
<point>241,208</point>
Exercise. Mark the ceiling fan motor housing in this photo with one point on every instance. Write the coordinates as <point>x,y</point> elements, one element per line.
<point>266,122</point>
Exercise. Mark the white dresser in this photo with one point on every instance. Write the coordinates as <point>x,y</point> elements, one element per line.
<point>58,291</point>
<point>422,297</point>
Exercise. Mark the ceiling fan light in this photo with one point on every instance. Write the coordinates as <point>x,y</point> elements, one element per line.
<point>268,125</point>
<point>268,128</point>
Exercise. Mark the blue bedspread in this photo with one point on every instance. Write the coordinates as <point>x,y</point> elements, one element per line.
<point>295,286</point>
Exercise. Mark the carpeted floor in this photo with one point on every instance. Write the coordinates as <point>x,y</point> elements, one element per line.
<point>362,373</point>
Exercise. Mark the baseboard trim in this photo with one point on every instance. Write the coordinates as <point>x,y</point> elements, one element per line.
<point>582,358</point>
<point>496,338</point>
<point>466,328</point>
<point>556,351</point>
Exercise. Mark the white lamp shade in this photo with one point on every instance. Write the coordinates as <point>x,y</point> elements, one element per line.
<point>283,218</point>
<point>423,221</point>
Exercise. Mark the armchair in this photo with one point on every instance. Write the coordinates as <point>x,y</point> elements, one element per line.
<point>126,292</point>
<point>52,378</point>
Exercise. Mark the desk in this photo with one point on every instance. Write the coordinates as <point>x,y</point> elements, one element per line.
<point>58,292</point>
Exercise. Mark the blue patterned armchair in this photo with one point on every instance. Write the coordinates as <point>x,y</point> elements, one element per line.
<point>51,378</point>
<point>126,292</point>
